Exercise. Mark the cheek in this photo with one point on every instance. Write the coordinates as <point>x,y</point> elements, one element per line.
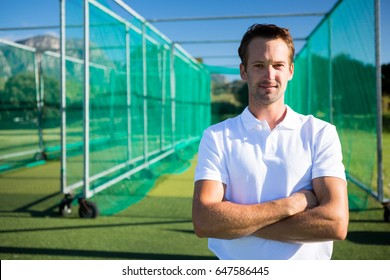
<point>284,77</point>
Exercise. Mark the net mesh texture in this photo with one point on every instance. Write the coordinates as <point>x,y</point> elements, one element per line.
<point>335,81</point>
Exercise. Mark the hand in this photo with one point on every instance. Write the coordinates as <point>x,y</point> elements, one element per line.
<point>306,199</point>
<point>311,198</point>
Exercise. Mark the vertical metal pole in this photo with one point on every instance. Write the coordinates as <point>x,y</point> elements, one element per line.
<point>331,109</point>
<point>163,93</point>
<point>36,78</point>
<point>208,106</point>
<point>113,86</point>
<point>309,78</point>
<point>145,93</point>
<point>86,100</point>
<point>41,102</point>
<point>378,102</point>
<point>173,94</point>
<point>128,92</point>
<point>63,95</point>
<point>39,96</point>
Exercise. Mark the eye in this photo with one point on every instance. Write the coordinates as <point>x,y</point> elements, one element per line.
<point>278,66</point>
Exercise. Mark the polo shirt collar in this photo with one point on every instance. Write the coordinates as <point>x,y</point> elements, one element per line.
<point>291,119</point>
<point>250,122</point>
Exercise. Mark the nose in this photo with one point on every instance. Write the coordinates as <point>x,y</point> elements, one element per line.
<point>269,72</point>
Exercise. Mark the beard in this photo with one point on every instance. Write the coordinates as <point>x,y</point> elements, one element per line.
<point>265,93</point>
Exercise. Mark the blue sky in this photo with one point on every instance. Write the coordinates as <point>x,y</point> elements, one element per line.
<point>23,13</point>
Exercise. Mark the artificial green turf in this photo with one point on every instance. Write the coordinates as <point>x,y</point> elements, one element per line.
<point>158,227</point>
<point>368,235</point>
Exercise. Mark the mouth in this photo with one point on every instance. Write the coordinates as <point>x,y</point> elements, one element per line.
<point>268,86</point>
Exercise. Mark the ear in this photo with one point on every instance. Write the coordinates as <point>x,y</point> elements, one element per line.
<point>291,70</point>
<point>243,74</point>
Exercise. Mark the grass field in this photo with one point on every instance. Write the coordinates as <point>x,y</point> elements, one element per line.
<point>158,227</point>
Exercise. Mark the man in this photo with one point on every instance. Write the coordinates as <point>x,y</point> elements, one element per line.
<point>270,183</point>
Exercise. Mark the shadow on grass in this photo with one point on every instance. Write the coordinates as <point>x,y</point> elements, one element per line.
<point>61,253</point>
<point>365,221</point>
<point>52,211</point>
<point>105,225</point>
<point>183,231</point>
<point>369,237</point>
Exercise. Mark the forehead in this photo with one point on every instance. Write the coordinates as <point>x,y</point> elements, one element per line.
<point>268,49</point>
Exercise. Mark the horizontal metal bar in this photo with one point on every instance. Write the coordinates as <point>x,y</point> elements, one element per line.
<point>74,186</point>
<point>367,189</point>
<point>29,27</point>
<point>129,173</point>
<point>315,14</point>
<point>222,41</point>
<point>17,45</point>
<point>219,56</point>
<point>19,154</point>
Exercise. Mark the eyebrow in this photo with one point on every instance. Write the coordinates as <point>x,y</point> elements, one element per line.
<point>273,62</point>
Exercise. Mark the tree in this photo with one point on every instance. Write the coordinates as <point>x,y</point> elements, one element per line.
<point>386,95</point>
<point>386,79</point>
<point>18,99</point>
<point>242,95</point>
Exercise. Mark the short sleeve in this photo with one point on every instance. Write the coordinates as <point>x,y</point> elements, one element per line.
<point>328,154</point>
<point>211,164</point>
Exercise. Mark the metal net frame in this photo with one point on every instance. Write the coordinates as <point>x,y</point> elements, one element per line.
<point>131,98</point>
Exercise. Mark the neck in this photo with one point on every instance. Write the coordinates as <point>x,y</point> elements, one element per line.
<point>273,113</point>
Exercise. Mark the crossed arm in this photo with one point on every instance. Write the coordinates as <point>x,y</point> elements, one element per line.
<point>305,216</point>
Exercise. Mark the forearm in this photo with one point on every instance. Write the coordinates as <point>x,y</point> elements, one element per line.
<point>318,224</point>
<point>215,217</point>
<point>228,220</point>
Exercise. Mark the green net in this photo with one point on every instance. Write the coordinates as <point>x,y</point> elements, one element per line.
<point>148,104</point>
<point>223,70</point>
<point>335,80</point>
<point>50,118</point>
<point>29,105</point>
<point>18,106</point>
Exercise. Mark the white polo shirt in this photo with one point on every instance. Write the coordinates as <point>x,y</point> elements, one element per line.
<point>259,165</point>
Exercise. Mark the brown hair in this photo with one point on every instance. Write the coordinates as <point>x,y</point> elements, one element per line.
<point>267,31</point>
